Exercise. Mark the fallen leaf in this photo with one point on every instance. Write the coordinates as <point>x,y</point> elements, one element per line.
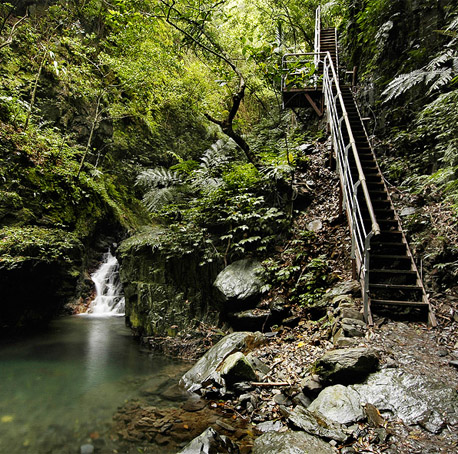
<point>7,418</point>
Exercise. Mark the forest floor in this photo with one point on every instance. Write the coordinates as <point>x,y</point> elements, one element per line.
<point>291,351</point>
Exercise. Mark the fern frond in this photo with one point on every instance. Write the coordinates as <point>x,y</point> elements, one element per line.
<point>159,197</point>
<point>403,83</point>
<point>438,61</point>
<point>444,77</point>
<point>157,177</point>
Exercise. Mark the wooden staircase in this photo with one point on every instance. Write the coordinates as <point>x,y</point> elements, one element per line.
<point>383,262</point>
<point>395,287</point>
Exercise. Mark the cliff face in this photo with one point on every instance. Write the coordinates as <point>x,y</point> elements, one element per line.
<point>166,294</point>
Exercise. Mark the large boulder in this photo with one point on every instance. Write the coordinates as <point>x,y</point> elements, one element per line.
<point>208,369</point>
<point>413,398</point>
<point>239,284</point>
<point>346,366</point>
<point>290,443</point>
<point>338,403</point>
<point>210,442</point>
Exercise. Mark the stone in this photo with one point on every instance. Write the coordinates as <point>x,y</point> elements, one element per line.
<point>302,399</point>
<point>236,368</point>
<point>453,363</point>
<point>260,367</point>
<point>290,443</point>
<point>345,288</point>
<point>251,319</point>
<point>311,385</point>
<point>346,366</point>
<point>351,312</point>
<point>281,399</point>
<point>209,442</point>
<point>87,449</point>
<point>353,327</point>
<point>205,371</point>
<point>240,281</point>
<point>407,211</point>
<point>338,403</point>
<point>414,399</point>
<point>315,226</point>
<point>269,426</point>
<point>316,424</point>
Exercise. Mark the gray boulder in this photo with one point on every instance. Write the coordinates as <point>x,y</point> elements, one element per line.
<point>413,398</point>
<point>210,442</point>
<point>240,282</point>
<point>207,370</point>
<point>290,443</point>
<point>236,368</point>
<point>316,424</point>
<point>346,366</point>
<point>338,403</point>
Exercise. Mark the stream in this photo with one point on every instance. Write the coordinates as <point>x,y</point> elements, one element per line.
<point>59,388</point>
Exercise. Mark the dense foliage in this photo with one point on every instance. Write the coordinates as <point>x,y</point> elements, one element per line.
<point>176,103</point>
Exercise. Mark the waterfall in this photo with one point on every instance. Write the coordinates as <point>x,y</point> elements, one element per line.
<point>109,298</point>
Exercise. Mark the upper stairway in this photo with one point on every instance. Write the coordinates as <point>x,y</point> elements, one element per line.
<point>382,259</point>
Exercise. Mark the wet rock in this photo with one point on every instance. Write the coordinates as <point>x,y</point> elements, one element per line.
<point>239,282</point>
<point>210,442</point>
<point>302,399</point>
<point>338,403</point>
<point>311,385</point>
<point>194,404</point>
<point>205,371</point>
<point>353,327</point>
<point>281,399</point>
<point>453,363</point>
<point>348,365</point>
<point>87,449</point>
<point>316,424</point>
<point>251,319</point>
<point>236,368</point>
<point>269,426</point>
<point>413,398</point>
<point>290,443</point>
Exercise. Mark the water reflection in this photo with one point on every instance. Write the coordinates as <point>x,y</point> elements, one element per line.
<point>65,383</point>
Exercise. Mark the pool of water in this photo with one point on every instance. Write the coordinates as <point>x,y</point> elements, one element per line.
<point>60,388</point>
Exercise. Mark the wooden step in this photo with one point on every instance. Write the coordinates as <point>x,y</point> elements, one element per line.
<point>404,277</point>
<point>395,292</point>
<point>388,248</point>
<point>386,261</point>
<point>377,302</point>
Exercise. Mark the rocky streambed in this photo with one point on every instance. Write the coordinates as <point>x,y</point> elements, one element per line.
<point>326,386</point>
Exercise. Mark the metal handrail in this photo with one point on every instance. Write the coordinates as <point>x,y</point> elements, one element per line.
<point>317,35</point>
<point>361,238</point>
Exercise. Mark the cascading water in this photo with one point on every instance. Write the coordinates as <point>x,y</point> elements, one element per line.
<point>109,299</point>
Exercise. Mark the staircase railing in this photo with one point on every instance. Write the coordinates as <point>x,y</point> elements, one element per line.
<point>339,123</point>
<point>360,236</point>
<point>317,35</point>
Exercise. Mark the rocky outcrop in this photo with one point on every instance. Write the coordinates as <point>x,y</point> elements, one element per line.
<point>166,294</point>
<point>217,364</point>
<point>290,443</point>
